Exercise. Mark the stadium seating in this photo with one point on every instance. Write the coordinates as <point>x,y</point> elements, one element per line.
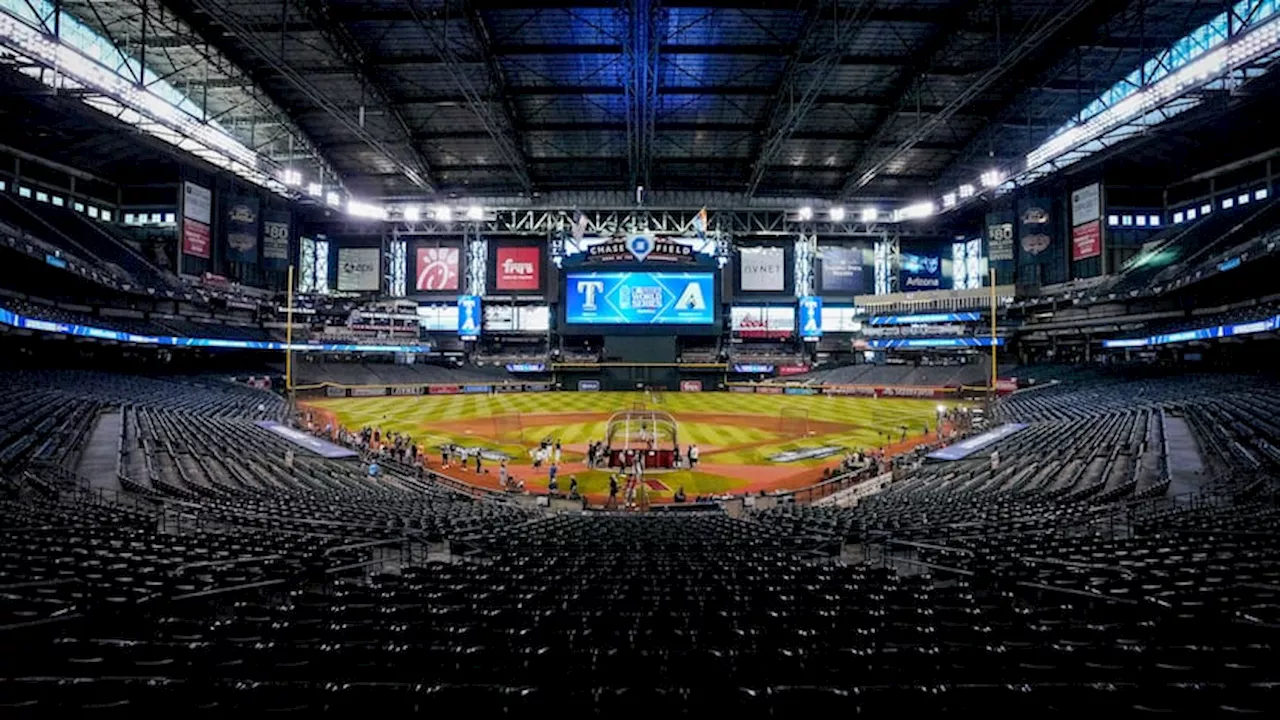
<point>224,580</point>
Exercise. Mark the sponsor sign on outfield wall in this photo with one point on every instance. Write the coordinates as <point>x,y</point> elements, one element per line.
<point>801,391</point>
<point>415,390</point>
<point>519,268</point>
<point>537,387</point>
<point>690,386</point>
<point>769,389</point>
<point>368,391</point>
<point>477,389</point>
<point>443,390</point>
<point>762,269</point>
<point>509,388</point>
<point>335,391</point>
<point>437,269</point>
<point>742,389</point>
<point>588,386</point>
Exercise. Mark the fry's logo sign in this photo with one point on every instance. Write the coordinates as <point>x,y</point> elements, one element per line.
<point>519,268</point>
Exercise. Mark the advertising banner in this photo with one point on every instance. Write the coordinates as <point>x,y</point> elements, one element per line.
<point>810,308</point>
<point>920,272</point>
<point>636,298</point>
<point>368,391</point>
<point>537,387</point>
<point>335,392</point>
<point>1000,241</point>
<point>195,238</point>
<point>750,368</point>
<point>852,390</point>
<point>469,317</point>
<point>1086,240</point>
<point>241,229</point>
<point>762,269</point>
<point>508,388</point>
<point>443,390</point>
<point>526,367</point>
<point>197,215</point>
<point>690,386</point>
<point>762,322</point>
<point>801,391</point>
<point>785,370</point>
<point>1034,227</point>
<point>438,269</point>
<point>275,238</point>
<point>588,386</point>
<point>359,269</point>
<point>414,390</point>
<point>477,389</point>
<point>769,389</point>
<point>742,389</point>
<point>841,270</point>
<point>519,269</point>
<point>1086,204</point>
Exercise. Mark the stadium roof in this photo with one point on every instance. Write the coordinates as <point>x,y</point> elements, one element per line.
<point>859,99</point>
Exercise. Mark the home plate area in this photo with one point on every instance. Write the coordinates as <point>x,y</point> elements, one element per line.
<point>656,485</point>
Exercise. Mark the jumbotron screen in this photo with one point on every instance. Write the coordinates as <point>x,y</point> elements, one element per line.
<point>640,298</point>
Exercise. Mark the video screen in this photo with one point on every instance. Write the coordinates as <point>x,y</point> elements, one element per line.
<point>640,298</point>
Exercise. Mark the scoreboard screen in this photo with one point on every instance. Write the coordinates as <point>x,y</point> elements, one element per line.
<point>640,298</point>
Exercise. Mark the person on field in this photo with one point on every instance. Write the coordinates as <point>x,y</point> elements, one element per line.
<point>502,474</point>
<point>613,490</point>
<point>693,457</point>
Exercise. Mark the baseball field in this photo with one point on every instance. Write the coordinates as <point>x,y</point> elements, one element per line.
<point>746,442</point>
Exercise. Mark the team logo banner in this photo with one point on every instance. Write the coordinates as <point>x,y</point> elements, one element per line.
<point>519,268</point>
<point>438,269</point>
<point>921,272</point>
<point>469,316</point>
<point>640,298</point>
<point>842,270</point>
<point>275,238</point>
<point>359,269</point>
<point>810,317</point>
<point>1034,226</point>
<point>762,269</point>
<point>242,230</point>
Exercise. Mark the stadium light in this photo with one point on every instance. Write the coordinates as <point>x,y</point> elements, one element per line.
<point>870,214</point>
<point>948,201</point>
<point>475,212</point>
<point>368,211</point>
<point>442,213</point>
<point>411,213</point>
<point>315,190</point>
<point>333,199</point>
<point>806,213</point>
<point>966,191</point>
<point>291,177</point>
<point>837,214</point>
<point>914,212</point>
<point>992,178</point>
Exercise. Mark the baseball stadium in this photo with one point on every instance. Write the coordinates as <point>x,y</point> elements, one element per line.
<point>639,358</point>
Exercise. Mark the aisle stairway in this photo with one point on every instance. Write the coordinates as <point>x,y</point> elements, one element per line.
<point>98,460</point>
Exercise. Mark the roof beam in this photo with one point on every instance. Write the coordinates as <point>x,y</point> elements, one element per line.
<point>643,17</point>
<point>415,167</point>
<point>802,82</point>
<point>501,124</point>
<point>1039,31</point>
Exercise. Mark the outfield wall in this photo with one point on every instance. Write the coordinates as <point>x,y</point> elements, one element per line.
<point>336,390</point>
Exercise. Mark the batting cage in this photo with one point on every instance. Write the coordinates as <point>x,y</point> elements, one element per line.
<point>793,422</point>
<point>652,432</point>
<point>508,427</point>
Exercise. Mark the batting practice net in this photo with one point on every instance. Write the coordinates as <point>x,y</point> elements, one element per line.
<point>508,427</point>
<point>636,427</point>
<point>793,421</point>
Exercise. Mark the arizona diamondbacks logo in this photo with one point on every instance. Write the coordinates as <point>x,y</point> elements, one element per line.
<point>640,246</point>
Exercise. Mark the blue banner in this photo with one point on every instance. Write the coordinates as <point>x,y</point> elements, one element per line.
<point>636,298</point>
<point>588,386</point>
<point>740,368</point>
<point>477,389</point>
<point>928,319</point>
<point>526,367</point>
<point>920,272</point>
<point>1209,333</point>
<point>909,343</point>
<point>810,317</point>
<point>965,448</point>
<point>468,317</point>
<point>241,229</point>
<point>801,391</point>
<point>8,317</point>
<point>841,270</point>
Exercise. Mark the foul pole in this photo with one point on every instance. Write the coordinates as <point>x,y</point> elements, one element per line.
<point>993,333</point>
<point>288,340</point>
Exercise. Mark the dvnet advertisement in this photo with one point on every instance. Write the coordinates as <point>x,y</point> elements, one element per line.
<point>637,298</point>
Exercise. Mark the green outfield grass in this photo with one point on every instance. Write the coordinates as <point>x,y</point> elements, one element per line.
<point>730,428</point>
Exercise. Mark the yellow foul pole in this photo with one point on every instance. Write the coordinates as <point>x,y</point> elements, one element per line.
<point>993,330</point>
<point>288,336</point>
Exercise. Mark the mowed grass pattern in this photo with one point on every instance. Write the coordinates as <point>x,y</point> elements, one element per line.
<point>745,428</point>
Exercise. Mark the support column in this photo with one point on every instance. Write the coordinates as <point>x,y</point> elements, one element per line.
<point>806,255</point>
